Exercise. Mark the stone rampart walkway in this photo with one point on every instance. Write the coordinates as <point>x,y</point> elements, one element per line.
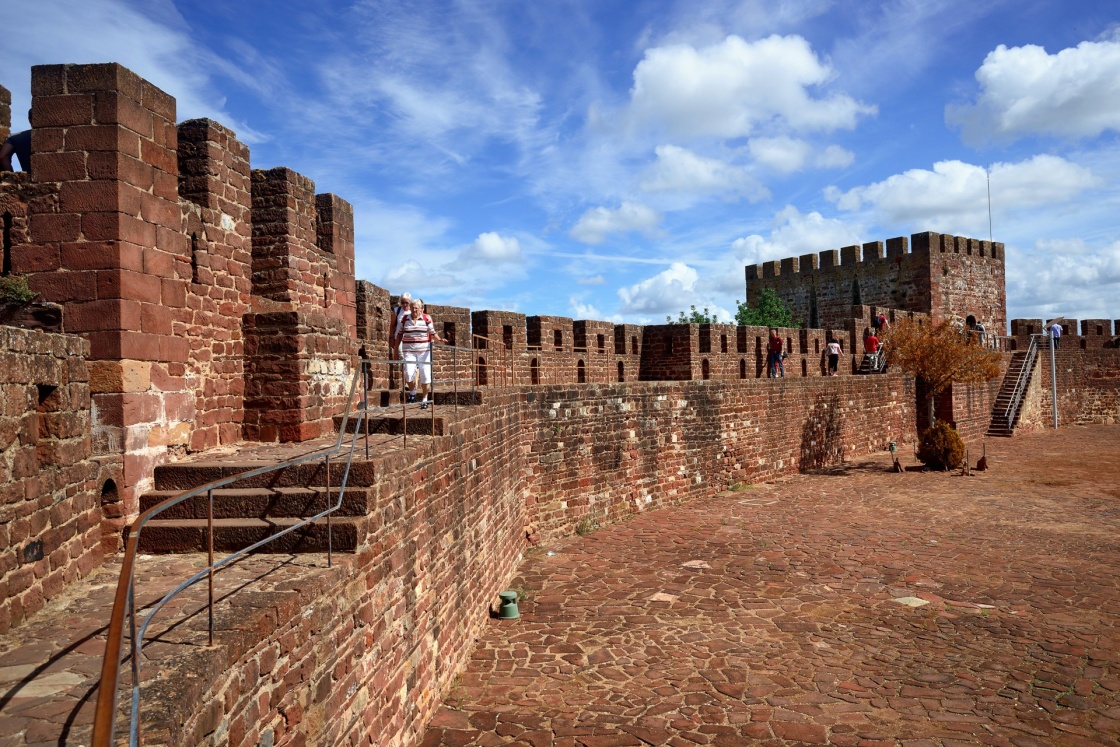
<point>781,615</point>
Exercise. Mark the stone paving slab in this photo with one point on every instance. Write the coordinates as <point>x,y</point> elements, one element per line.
<point>786,614</point>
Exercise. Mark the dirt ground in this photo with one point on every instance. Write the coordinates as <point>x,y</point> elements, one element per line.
<point>853,607</point>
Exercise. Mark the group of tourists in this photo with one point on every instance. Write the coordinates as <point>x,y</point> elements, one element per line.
<point>412,335</point>
<point>830,357</point>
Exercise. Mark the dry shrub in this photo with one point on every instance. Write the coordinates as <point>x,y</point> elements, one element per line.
<point>941,447</point>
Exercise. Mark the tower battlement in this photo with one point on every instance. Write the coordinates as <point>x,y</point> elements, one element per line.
<point>938,274</point>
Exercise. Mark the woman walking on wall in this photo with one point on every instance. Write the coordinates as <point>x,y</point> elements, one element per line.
<point>415,333</point>
<point>833,350</point>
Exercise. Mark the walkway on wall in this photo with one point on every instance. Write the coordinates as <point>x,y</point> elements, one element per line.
<point>846,608</point>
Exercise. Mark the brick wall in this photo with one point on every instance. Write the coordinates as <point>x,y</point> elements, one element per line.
<point>601,452</point>
<point>299,367</point>
<point>5,113</point>
<point>110,248</point>
<point>945,276</point>
<point>366,653</point>
<point>369,650</point>
<point>1088,388</point>
<point>49,530</point>
<point>214,186</point>
<point>500,348</point>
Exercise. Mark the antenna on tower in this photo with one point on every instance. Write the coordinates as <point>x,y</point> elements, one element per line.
<point>988,174</point>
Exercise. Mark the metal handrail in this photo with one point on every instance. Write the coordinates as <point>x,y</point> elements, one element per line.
<point>1022,380</point>
<point>124,603</point>
<point>879,359</point>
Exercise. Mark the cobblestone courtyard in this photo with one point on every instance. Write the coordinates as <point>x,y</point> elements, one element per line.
<point>781,614</point>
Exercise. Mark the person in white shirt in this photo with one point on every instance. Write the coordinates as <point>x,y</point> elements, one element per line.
<point>1056,333</point>
<point>415,333</point>
<point>833,350</point>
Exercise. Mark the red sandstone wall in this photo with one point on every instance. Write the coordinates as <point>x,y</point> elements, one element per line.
<point>299,375</point>
<point>368,655</point>
<point>602,452</point>
<point>214,186</point>
<point>49,512</point>
<point>5,113</point>
<point>1088,388</point>
<point>111,250</point>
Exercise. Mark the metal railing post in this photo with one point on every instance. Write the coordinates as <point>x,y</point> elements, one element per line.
<point>432,384</point>
<point>210,566</point>
<point>330,537</point>
<point>1053,382</point>
<point>134,708</point>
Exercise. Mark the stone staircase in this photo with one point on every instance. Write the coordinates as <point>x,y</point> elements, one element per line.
<point>252,509</point>
<point>1001,425</point>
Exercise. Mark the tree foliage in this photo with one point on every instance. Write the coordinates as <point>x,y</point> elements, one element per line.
<point>770,311</point>
<point>693,317</point>
<point>938,355</point>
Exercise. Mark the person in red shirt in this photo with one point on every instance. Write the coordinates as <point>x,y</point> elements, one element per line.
<point>774,364</point>
<point>871,347</point>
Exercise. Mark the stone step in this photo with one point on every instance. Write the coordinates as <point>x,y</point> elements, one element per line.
<point>182,476</point>
<point>390,397</point>
<point>161,536</point>
<point>259,503</point>
<point>420,423</point>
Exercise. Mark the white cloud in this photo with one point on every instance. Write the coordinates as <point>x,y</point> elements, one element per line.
<point>785,154</point>
<point>1025,90</point>
<point>1066,277</point>
<point>680,170</point>
<point>728,89</point>
<point>493,247</point>
<point>412,274</point>
<point>793,234</point>
<point>666,292</point>
<point>581,310</point>
<point>953,196</point>
<point>594,225</point>
<point>155,43</point>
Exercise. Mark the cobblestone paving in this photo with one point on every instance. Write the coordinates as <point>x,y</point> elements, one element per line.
<point>768,616</point>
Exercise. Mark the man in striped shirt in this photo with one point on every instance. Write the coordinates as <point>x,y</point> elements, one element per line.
<point>415,333</point>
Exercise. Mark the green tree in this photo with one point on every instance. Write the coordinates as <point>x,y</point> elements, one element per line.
<point>770,311</point>
<point>694,317</point>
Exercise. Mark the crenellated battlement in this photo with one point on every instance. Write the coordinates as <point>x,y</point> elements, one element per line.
<point>874,253</point>
<point>937,274</point>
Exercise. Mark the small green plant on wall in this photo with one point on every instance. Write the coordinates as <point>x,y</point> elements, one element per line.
<point>14,290</point>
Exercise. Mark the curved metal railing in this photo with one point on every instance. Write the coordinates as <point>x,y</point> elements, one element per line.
<point>124,603</point>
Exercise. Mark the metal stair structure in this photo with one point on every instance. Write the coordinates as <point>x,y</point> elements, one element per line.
<point>1009,401</point>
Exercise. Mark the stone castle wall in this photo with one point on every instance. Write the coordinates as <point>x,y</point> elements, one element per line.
<point>375,645</point>
<point>946,277</point>
<point>50,512</point>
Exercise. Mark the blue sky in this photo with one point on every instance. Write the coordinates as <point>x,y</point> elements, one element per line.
<point>623,160</point>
